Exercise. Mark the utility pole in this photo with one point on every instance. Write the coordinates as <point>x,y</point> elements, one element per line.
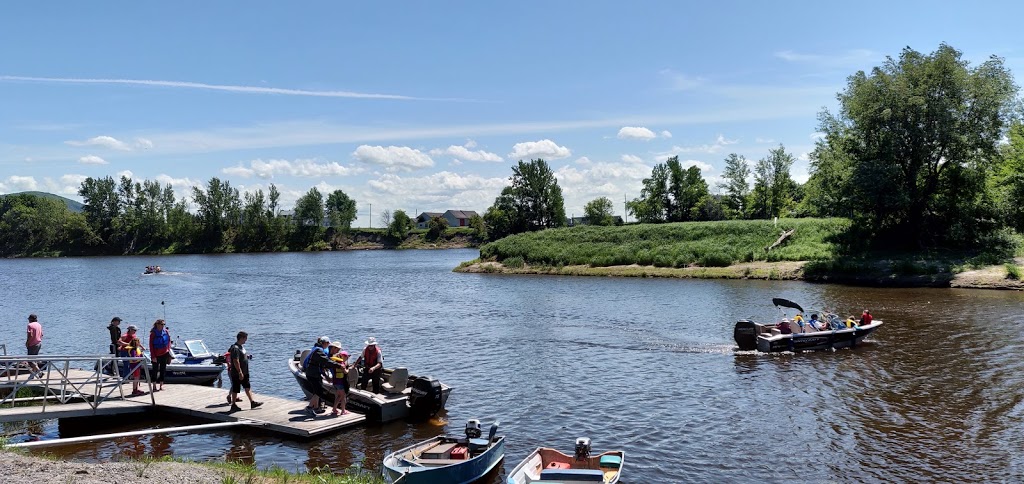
<point>625,209</point>
<point>371,214</point>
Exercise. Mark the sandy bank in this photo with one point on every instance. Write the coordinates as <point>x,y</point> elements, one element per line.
<point>18,467</point>
<point>992,277</point>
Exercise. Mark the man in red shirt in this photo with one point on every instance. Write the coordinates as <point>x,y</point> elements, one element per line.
<point>865,318</point>
<point>34,338</point>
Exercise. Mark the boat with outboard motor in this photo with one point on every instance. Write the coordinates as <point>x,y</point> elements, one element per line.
<point>153,270</point>
<point>549,465</point>
<point>191,363</point>
<point>405,396</point>
<point>447,459</point>
<point>797,335</point>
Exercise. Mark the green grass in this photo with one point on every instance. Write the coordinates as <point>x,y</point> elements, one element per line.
<point>1013,272</point>
<point>707,244</point>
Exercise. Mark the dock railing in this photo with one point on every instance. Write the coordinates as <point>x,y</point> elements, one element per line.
<point>63,379</point>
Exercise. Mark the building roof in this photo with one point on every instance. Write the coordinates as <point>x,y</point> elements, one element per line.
<point>428,215</point>
<point>462,213</point>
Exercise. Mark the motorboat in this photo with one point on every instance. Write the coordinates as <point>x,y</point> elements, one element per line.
<point>549,465</point>
<point>404,396</point>
<point>447,459</point>
<point>153,270</point>
<point>191,363</point>
<point>797,335</point>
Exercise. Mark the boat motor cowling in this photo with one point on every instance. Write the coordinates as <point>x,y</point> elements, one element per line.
<point>582,449</point>
<point>425,398</point>
<point>745,334</point>
<point>473,429</point>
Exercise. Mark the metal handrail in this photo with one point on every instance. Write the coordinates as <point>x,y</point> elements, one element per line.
<point>52,374</point>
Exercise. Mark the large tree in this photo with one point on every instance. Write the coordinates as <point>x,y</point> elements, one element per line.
<point>309,219</point>
<point>599,211</point>
<point>671,194</point>
<point>341,210</point>
<point>219,209</point>
<point>735,184</point>
<point>774,189</point>
<point>533,201</point>
<point>918,132</point>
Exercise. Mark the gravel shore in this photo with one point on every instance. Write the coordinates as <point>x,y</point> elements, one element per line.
<point>17,467</point>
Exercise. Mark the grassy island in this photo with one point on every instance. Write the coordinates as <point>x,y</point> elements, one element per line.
<point>739,249</point>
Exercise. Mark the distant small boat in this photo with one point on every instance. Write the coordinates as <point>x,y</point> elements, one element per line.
<point>447,459</point>
<point>153,270</point>
<point>791,335</point>
<point>549,465</point>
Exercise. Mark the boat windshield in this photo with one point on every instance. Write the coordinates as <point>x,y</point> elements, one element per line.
<point>197,348</point>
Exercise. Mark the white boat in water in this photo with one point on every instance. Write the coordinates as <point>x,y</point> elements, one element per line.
<point>447,459</point>
<point>545,465</point>
<point>405,396</point>
<point>192,363</point>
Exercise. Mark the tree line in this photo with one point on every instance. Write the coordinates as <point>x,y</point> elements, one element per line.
<point>924,151</point>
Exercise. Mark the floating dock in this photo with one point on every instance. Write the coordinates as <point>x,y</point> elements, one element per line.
<point>87,393</point>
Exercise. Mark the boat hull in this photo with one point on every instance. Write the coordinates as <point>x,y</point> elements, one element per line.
<point>460,473</point>
<point>530,469</point>
<point>377,407</point>
<point>750,335</point>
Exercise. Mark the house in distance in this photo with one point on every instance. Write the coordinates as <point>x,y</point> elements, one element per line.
<point>455,218</point>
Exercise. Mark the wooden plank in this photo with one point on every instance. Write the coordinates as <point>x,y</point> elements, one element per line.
<point>67,410</point>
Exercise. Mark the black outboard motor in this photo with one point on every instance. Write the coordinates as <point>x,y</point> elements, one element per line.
<point>425,398</point>
<point>582,449</point>
<point>745,334</point>
<point>473,430</point>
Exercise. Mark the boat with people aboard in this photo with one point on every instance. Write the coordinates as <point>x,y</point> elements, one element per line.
<point>448,459</point>
<point>153,270</point>
<point>797,334</point>
<point>191,363</point>
<point>549,465</point>
<point>403,396</point>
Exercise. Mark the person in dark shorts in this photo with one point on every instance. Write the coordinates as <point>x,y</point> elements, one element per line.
<point>238,372</point>
<point>314,366</point>
<point>373,365</point>
<point>159,352</point>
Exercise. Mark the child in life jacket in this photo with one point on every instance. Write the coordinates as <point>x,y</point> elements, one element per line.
<point>341,386</point>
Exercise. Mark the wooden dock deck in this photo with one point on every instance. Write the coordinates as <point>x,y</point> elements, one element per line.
<point>278,415</point>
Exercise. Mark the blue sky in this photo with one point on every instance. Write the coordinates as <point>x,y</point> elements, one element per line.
<point>425,106</point>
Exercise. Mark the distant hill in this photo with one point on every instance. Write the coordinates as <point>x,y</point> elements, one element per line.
<point>72,205</point>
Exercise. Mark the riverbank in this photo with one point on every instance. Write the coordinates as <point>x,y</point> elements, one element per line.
<point>791,249</point>
<point>21,467</point>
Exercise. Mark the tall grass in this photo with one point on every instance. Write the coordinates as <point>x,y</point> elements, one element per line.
<point>708,244</point>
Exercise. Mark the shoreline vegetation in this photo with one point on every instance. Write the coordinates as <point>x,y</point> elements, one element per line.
<point>19,466</point>
<point>814,251</point>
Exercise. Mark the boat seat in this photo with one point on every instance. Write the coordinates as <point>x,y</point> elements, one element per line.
<point>398,381</point>
<point>302,357</point>
<point>353,377</point>
<point>573,475</point>
<point>478,445</point>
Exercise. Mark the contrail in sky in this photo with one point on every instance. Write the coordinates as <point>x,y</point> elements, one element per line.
<point>221,87</point>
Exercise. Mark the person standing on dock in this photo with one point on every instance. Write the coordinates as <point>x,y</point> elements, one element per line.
<point>314,367</point>
<point>238,372</point>
<point>159,352</point>
<point>33,339</point>
<point>373,364</point>
<point>115,334</point>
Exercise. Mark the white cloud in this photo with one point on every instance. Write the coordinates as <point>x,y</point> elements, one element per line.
<point>544,148</point>
<point>764,140</point>
<point>720,142</point>
<point>143,143</point>
<point>600,179</point>
<point>636,132</point>
<point>104,141</point>
<point>92,160</point>
<point>583,160</point>
<point>666,134</point>
<point>17,183</point>
<point>817,136</point>
<point>66,185</point>
<point>443,190</point>
<point>462,153</point>
<point>853,57</point>
<point>216,87</point>
<point>304,168</point>
<point>632,159</point>
<point>470,144</point>
<point>127,173</point>
<point>393,158</point>
<point>181,186</point>
<point>704,167</point>
<point>682,82</point>
<point>805,156</point>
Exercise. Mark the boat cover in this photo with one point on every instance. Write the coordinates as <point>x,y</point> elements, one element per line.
<point>786,303</point>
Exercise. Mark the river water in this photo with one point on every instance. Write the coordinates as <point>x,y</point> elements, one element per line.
<point>643,365</point>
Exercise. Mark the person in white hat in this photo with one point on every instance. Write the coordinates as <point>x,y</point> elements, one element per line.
<point>373,365</point>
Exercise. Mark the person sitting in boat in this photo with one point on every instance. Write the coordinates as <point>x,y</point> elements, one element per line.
<point>816,323</point>
<point>784,327</point>
<point>850,322</point>
<point>865,318</point>
<point>373,365</point>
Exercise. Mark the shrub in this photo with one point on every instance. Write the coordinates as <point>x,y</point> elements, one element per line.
<point>514,262</point>
<point>1013,272</point>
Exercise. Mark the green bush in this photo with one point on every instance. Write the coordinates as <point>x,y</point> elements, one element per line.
<point>1013,272</point>
<point>516,262</point>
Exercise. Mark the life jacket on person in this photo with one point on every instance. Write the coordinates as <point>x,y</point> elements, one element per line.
<point>159,340</point>
<point>371,355</point>
<point>309,357</point>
